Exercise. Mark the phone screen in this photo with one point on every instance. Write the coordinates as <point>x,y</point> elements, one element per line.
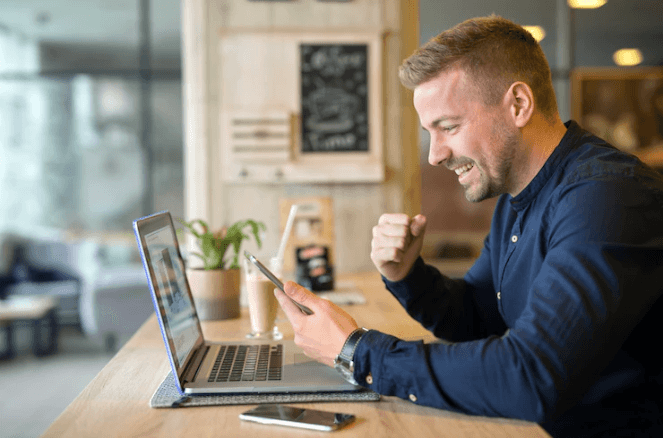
<point>297,417</point>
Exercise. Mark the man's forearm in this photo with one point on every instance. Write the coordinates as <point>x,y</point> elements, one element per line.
<point>439,303</point>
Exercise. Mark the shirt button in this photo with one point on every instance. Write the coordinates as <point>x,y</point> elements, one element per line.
<point>499,295</point>
<point>413,398</point>
<point>369,379</point>
<point>514,238</point>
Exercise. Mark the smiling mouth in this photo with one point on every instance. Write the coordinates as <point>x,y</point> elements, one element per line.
<point>462,170</point>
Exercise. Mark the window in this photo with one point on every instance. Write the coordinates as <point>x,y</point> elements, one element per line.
<point>90,114</point>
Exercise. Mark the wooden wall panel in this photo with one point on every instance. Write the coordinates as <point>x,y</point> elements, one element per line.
<point>356,206</point>
<point>197,176</point>
<point>302,13</point>
<point>410,174</point>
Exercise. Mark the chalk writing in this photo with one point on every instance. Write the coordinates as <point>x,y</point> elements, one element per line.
<point>334,99</point>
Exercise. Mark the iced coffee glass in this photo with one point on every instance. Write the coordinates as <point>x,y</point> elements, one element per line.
<point>262,302</point>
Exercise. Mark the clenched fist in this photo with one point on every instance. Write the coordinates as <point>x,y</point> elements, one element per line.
<point>396,244</point>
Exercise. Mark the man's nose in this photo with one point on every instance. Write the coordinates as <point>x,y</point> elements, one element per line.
<point>438,152</point>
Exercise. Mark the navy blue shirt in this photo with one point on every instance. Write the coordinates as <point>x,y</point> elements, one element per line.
<point>549,324</point>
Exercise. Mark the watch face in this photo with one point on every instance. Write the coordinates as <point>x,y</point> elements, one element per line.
<point>340,364</point>
<point>345,369</point>
<point>345,373</point>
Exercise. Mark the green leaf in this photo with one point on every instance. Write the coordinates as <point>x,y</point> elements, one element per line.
<point>214,249</point>
<point>212,257</point>
<point>192,229</point>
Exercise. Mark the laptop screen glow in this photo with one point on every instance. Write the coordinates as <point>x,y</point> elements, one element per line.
<point>171,290</point>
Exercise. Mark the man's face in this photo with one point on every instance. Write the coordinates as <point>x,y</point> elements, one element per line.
<point>466,136</point>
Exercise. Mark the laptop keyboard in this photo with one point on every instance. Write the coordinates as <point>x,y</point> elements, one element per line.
<point>236,363</point>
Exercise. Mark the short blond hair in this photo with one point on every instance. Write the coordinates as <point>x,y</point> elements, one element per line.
<point>494,52</point>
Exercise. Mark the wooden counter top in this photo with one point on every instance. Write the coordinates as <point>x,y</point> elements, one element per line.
<point>116,402</point>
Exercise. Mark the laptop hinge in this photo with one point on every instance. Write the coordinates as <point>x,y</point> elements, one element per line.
<point>194,365</point>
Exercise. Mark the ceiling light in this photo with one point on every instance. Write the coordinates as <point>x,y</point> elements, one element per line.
<point>586,4</point>
<point>627,57</point>
<point>537,32</point>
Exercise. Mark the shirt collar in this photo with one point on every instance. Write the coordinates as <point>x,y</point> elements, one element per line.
<point>524,198</point>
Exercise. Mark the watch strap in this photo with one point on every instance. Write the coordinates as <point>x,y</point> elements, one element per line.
<point>348,351</point>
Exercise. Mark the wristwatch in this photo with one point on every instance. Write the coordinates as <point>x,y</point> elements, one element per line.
<point>344,362</point>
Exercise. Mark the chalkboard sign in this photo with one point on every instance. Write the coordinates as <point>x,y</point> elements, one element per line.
<point>334,98</point>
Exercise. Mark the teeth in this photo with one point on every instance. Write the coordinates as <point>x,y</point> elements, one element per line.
<point>463,169</point>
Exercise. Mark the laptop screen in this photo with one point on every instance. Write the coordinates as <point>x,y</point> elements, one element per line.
<point>161,255</point>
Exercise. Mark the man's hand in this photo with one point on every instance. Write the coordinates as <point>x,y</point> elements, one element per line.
<point>396,244</point>
<point>322,334</point>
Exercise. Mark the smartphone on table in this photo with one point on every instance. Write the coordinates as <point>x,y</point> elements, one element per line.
<point>297,417</point>
<point>274,279</point>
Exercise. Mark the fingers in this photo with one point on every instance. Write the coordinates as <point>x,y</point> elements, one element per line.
<point>396,243</point>
<point>387,246</point>
<point>288,306</point>
<point>391,231</point>
<point>393,235</point>
<point>387,254</point>
<point>299,294</point>
<point>418,225</point>
<point>321,335</point>
<point>394,218</point>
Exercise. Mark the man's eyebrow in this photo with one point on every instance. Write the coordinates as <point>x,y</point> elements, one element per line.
<point>445,119</point>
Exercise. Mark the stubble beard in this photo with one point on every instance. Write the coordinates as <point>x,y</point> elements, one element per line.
<point>490,187</point>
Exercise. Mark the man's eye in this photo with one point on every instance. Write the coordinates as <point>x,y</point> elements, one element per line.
<point>449,128</point>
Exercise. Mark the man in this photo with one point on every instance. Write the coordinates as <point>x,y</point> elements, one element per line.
<point>551,323</point>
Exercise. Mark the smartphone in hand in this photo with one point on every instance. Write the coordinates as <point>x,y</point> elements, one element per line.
<point>274,279</point>
<point>297,417</point>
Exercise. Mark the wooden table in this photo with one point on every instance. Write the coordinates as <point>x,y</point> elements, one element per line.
<point>116,402</point>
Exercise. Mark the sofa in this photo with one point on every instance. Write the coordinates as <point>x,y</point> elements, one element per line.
<point>99,281</point>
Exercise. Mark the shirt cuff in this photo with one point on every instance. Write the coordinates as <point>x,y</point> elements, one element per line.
<point>368,358</point>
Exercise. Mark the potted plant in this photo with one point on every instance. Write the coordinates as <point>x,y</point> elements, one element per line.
<point>216,285</point>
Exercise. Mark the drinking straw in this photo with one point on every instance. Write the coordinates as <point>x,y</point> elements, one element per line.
<point>286,232</point>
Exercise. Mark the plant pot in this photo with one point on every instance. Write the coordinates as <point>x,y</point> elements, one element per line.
<point>215,293</point>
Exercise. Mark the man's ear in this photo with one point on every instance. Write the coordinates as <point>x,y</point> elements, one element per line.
<point>520,101</point>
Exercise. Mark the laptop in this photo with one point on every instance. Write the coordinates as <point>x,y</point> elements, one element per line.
<point>203,367</point>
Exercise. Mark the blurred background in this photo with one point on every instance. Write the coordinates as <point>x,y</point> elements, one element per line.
<point>91,137</point>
